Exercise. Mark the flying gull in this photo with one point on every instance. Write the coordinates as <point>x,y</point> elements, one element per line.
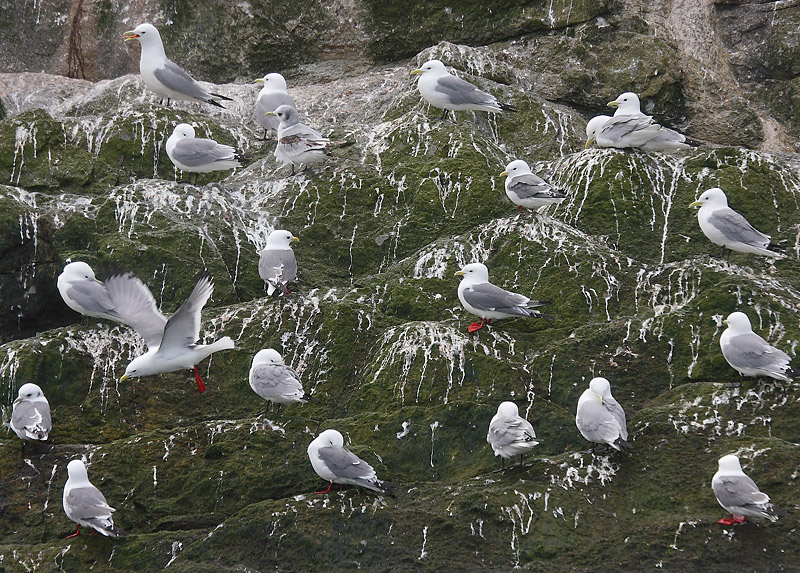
<point>277,264</point>
<point>197,155</point>
<point>85,504</point>
<point>271,97</point>
<point>739,495</point>
<point>510,434</point>
<point>297,142</point>
<point>30,416</point>
<point>171,344</point>
<point>528,190</point>
<point>751,355</point>
<point>273,380</point>
<point>162,75</point>
<point>83,293</point>
<point>447,92</point>
<point>666,139</point>
<point>335,464</point>
<point>483,299</point>
<point>600,419</point>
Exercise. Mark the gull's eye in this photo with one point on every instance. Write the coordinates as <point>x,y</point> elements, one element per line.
<point>625,99</point>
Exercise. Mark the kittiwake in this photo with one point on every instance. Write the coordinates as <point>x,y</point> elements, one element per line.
<point>30,415</point>
<point>276,263</point>
<point>83,293</point>
<point>335,464</point>
<point>510,434</point>
<point>739,495</point>
<point>85,504</point>
<point>197,155</point>
<point>271,97</point>
<point>528,190</point>
<point>273,380</point>
<point>600,419</point>
<point>751,355</point>
<point>297,142</point>
<point>666,139</point>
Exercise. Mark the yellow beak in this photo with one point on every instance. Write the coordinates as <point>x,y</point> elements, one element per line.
<point>130,35</point>
<point>459,273</point>
<point>589,142</point>
<point>612,104</point>
<point>725,322</point>
<point>270,113</point>
<point>416,72</point>
<point>294,240</point>
<point>696,204</point>
<point>124,377</point>
<point>18,400</point>
<point>504,174</point>
<point>258,81</point>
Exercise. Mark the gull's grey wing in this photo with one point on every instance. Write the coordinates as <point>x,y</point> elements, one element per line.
<point>462,92</point>
<point>137,308</point>
<point>33,418</point>
<point>749,350</point>
<point>275,380</point>
<point>92,296</point>
<point>619,126</point>
<point>277,265</point>
<point>302,131</point>
<point>739,491</point>
<point>183,327</point>
<point>529,186</point>
<point>174,78</point>
<point>86,503</point>
<point>736,228</point>
<point>486,296</point>
<point>270,102</point>
<point>506,432</point>
<point>345,465</point>
<point>616,410</point>
<point>596,423</point>
<point>194,151</point>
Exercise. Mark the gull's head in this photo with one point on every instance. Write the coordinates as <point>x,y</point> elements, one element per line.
<point>286,114</point>
<point>593,128</point>
<point>508,410</point>
<point>79,270</point>
<point>267,356</point>
<point>273,81</point>
<point>77,471</point>
<point>738,323</point>
<point>730,465</point>
<point>433,67</point>
<point>714,197</point>
<point>474,273</point>
<point>30,393</point>
<point>145,34</point>
<point>601,387</point>
<point>516,167</point>
<point>329,438</point>
<point>183,130</point>
<point>140,366</point>
<point>280,239</point>
<point>627,104</point>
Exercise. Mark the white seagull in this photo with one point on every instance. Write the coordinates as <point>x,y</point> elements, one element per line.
<point>273,380</point>
<point>725,227</point>
<point>621,131</point>
<point>30,415</point>
<point>739,495</point>
<point>447,92</point>
<point>528,190</point>
<point>277,264</point>
<point>483,299</point>
<point>666,139</point>
<point>197,155</point>
<point>83,293</point>
<point>271,97</point>
<point>171,344</point>
<point>335,464</point>
<point>600,419</point>
<point>85,504</point>
<point>297,142</point>
<point>162,75</point>
<point>751,355</point>
<point>510,434</point>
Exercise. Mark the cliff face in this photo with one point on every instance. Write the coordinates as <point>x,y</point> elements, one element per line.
<point>211,483</point>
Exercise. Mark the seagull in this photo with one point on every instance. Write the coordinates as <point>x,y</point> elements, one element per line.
<point>621,131</point>
<point>277,264</point>
<point>197,155</point>
<point>666,139</point>
<point>335,464</point>
<point>600,419</point>
<point>447,92</point>
<point>171,344</point>
<point>30,416</point>
<point>510,435</point>
<point>739,495</point>
<point>297,142</point>
<point>725,227</point>
<point>83,293</point>
<point>483,299</point>
<point>751,355</point>
<point>528,190</point>
<point>273,380</point>
<point>271,97</point>
<point>85,504</point>
<point>162,75</point>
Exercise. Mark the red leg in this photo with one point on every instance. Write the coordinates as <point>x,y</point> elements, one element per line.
<point>200,386</point>
<point>739,519</point>
<point>726,520</point>
<point>475,326</point>
<point>92,533</point>
<point>76,533</point>
<point>341,487</point>
<point>520,209</point>
<point>330,485</point>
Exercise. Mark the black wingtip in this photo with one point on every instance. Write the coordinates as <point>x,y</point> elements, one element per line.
<point>508,107</point>
<point>309,398</point>
<point>220,96</point>
<point>117,532</point>
<point>389,488</point>
<point>623,444</point>
<point>215,102</point>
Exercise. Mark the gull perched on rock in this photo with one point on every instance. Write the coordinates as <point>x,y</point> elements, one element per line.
<point>277,264</point>
<point>725,227</point>
<point>171,344</point>
<point>600,419</point>
<point>271,97</point>
<point>162,75</point>
<point>335,464</point>
<point>510,434</point>
<point>297,142</point>
<point>30,416</point>
<point>622,131</point>
<point>273,380</point>
<point>528,190</point>
<point>739,495</point>
<point>441,89</point>
<point>85,504</point>
<point>666,139</point>
<point>197,155</point>
<point>83,293</point>
<point>483,299</point>
<point>751,355</point>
